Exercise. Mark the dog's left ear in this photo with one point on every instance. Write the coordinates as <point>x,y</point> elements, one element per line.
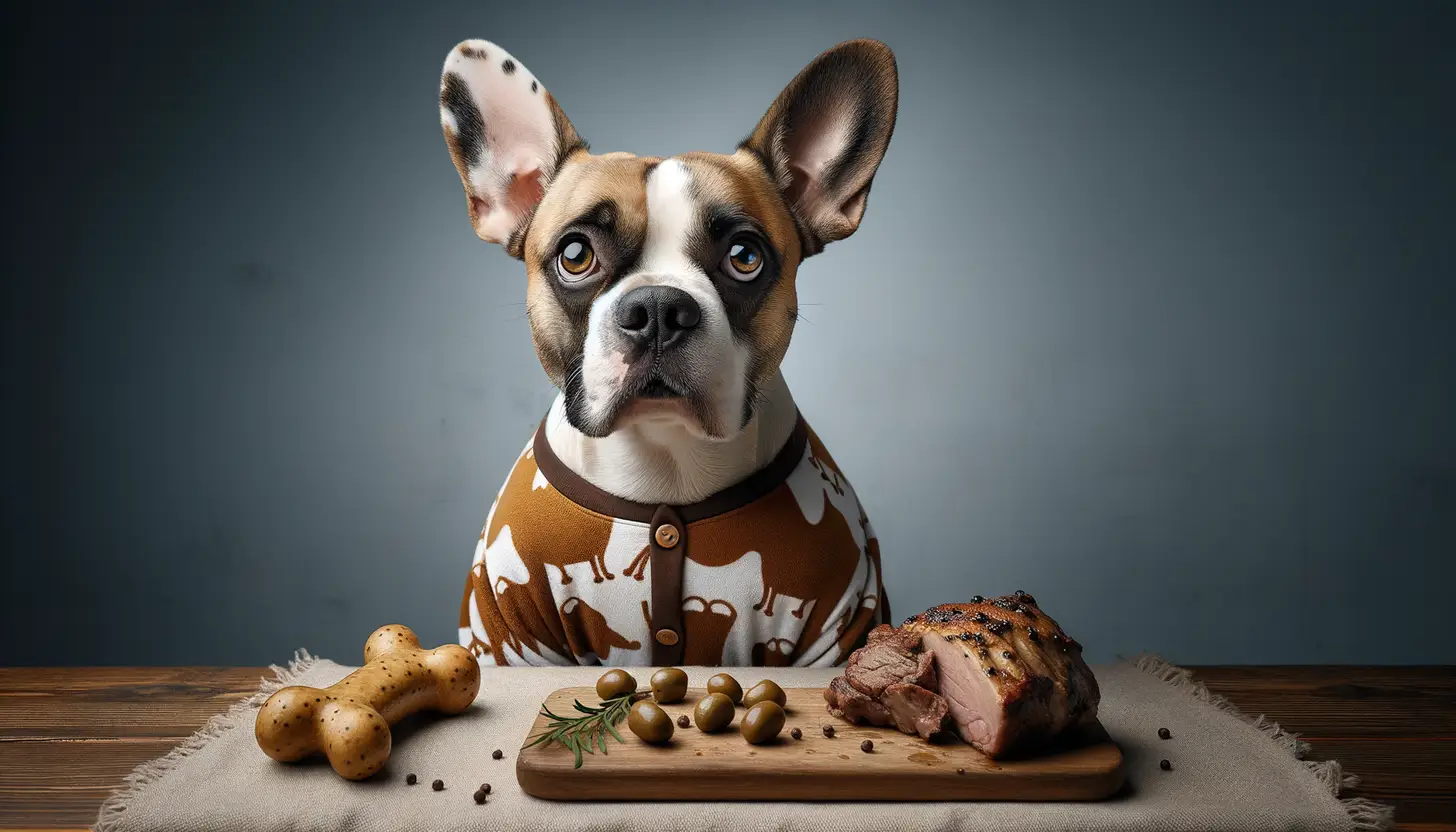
<point>506,135</point>
<point>825,135</point>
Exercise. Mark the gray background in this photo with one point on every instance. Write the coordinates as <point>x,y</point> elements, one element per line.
<point>1151,315</point>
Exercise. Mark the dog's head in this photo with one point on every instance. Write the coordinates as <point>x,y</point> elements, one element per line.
<point>663,289</point>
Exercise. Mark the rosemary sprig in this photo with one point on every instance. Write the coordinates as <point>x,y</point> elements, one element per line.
<point>589,731</point>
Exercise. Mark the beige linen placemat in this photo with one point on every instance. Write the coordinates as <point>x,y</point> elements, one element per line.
<point>1231,773</point>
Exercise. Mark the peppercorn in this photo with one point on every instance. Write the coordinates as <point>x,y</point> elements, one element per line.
<point>829,730</point>
<point>1165,765</point>
<point>497,754</point>
<point>438,785</point>
<point>479,797</point>
<point>796,734</point>
<point>683,721</point>
<point>1164,733</point>
<point>867,746</point>
<point>484,788</point>
<point>410,779</point>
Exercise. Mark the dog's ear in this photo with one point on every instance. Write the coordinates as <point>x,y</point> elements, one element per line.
<point>506,135</point>
<point>825,135</point>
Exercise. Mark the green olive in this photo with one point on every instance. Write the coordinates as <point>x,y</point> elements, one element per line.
<point>669,685</point>
<point>765,691</point>
<point>649,722</point>
<point>763,722</point>
<point>726,685</point>
<point>615,683</point>
<point>713,713</point>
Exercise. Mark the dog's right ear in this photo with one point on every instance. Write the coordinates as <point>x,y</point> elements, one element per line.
<point>824,137</point>
<point>506,135</point>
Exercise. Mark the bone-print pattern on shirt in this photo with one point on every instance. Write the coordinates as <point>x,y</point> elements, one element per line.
<point>792,578</point>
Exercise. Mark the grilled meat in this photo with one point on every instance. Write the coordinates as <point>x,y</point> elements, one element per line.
<point>1012,680</point>
<point>890,681</point>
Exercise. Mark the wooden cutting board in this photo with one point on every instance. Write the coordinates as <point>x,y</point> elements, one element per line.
<point>698,766</point>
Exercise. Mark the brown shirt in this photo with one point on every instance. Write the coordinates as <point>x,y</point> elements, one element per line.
<point>781,569</point>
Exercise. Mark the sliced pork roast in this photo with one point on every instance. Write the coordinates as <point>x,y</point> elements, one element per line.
<point>890,681</point>
<point>1011,678</point>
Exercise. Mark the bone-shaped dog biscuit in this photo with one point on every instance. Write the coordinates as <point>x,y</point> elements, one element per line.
<point>349,722</point>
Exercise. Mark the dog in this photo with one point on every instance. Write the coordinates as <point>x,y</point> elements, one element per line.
<point>673,506</point>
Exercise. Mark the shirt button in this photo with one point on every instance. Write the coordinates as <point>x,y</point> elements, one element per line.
<point>666,637</point>
<point>666,535</point>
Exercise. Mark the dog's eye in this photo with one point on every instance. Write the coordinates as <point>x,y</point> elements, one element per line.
<point>577,260</point>
<point>743,261</point>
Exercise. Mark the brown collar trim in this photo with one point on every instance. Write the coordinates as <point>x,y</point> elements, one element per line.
<point>589,497</point>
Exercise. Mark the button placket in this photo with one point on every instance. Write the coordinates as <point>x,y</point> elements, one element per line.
<point>668,546</point>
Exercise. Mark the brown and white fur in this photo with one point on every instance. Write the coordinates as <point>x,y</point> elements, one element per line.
<point>666,349</point>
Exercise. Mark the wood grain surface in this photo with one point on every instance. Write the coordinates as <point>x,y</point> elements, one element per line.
<point>724,766</point>
<point>69,735</point>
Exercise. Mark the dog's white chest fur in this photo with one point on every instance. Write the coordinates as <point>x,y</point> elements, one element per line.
<point>661,461</point>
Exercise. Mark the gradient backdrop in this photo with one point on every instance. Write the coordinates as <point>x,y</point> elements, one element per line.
<point>1151,314</point>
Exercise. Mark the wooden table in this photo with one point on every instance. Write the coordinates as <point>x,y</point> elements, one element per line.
<point>69,735</point>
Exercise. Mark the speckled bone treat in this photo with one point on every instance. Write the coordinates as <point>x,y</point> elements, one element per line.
<point>349,722</point>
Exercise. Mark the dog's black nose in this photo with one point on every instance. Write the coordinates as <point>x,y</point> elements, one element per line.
<point>660,313</point>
